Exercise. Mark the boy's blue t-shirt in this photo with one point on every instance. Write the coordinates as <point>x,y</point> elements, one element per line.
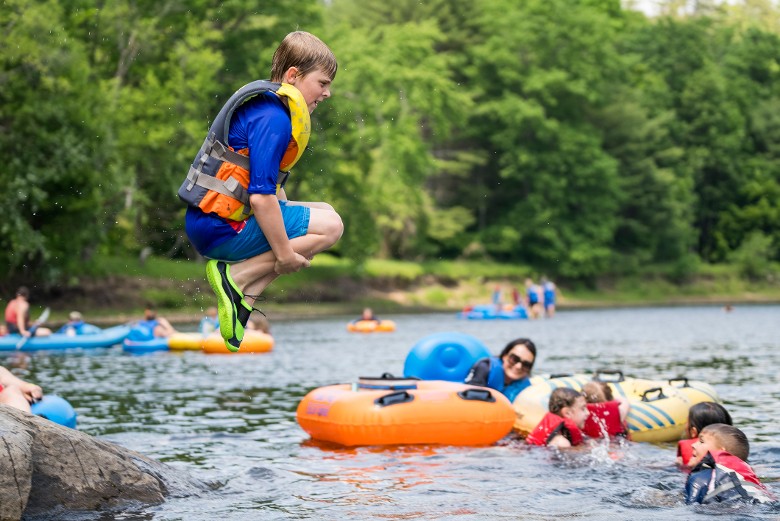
<point>263,125</point>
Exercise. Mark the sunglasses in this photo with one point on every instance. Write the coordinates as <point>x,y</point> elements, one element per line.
<point>513,360</point>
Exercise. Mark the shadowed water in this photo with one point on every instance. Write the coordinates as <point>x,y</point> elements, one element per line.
<point>231,419</point>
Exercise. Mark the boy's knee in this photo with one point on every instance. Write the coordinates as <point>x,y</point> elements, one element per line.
<point>335,228</point>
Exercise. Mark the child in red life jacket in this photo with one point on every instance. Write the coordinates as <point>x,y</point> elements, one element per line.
<point>562,426</point>
<point>722,475</point>
<point>699,416</point>
<point>607,414</point>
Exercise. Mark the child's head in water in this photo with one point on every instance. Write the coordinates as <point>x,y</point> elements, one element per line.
<point>719,436</point>
<point>703,414</point>
<point>597,392</point>
<point>569,404</point>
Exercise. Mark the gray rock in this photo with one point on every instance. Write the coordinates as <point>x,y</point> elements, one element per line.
<point>46,467</point>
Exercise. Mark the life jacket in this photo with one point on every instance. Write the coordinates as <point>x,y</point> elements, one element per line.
<point>685,449</point>
<point>552,425</point>
<point>722,477</point>
<point>218,178</point>
<point>604,415</point>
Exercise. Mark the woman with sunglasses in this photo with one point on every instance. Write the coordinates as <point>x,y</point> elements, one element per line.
<point>508,372</point>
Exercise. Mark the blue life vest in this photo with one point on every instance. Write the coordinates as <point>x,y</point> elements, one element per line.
<point>496,380</point>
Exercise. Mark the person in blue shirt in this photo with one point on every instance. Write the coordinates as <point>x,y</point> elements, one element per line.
<point>210,322</point>
<point>509,372</point>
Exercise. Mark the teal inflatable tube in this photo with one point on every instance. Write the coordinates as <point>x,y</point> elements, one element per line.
<point>444,356</point>
<point>55,409</point>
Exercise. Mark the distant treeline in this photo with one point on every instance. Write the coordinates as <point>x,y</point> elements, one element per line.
<point>577,137</point>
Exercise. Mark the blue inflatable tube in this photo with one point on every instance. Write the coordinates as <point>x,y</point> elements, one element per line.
<point>142,340</point>
<point>444,356</point>
<point>101,338</point>
<point>489,312</point>
<point>55,409</point>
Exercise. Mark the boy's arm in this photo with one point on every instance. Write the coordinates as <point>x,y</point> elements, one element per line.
<point>269,218</point>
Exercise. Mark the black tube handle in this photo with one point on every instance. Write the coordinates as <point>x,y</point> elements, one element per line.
<point>682,379</point>
<point>646,398</point>
<point>480,395</point>
<point>394,398</point>
<point>598,375</point>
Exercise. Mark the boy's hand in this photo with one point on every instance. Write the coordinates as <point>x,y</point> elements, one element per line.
<point>292,265</point>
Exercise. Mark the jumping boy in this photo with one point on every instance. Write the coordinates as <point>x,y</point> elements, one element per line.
<point>238,214</point>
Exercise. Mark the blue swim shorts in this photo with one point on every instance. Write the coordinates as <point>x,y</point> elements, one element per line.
<point>251,241</point>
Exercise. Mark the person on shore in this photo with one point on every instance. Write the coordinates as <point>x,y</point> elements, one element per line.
<point>17,393</point>
<point>209,323</point>
<point>17,316</point>
<point>509,372</point>
<point>723,475</point>
<point>159,326</point>
<point>549,294</point>
<point>607,414</point>
<point>256,234</point>
<point>562,426</point>
<point>699,416</point>
<point>533,296</point>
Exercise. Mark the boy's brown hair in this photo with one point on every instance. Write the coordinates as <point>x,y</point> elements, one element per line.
<point>597,392</point>
<point>730,438</point>
<point>304,51</point>
<point>562,397</point>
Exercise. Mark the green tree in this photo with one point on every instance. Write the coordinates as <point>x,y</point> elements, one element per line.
<point>60,192</point>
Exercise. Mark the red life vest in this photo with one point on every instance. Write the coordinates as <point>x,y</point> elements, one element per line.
<point>685,449</point>
<point>604,415</point>
<point>725,459</point>
<point>552,425</point>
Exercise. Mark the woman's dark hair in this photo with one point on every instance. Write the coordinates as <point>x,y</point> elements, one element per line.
<point>518,341</point>
<point>707,413</point>
<point>562,397</point>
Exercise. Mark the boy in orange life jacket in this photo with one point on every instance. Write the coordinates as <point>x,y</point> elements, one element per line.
<point>562,426</point>
<point>699,416</point>
<point>722,474</point>
<point>269,123</point>
<point>607,414</point>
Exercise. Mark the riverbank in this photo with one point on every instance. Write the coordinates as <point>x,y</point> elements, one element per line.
<point>117,290</point>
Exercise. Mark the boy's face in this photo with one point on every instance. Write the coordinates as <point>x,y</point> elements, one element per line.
<point>315,87</point>
<point>707,443</point>
<point>578,412</point>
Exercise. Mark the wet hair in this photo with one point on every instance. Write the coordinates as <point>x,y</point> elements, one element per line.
<point>707,413</point>
<point>23,292</point>
<point>730,438</point>
<point>597,392</point>
<point>304,51</point>
<point>519,341</point>
<point>562,397</point>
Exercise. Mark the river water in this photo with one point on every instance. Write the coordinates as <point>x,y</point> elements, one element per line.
<point>230,419</point>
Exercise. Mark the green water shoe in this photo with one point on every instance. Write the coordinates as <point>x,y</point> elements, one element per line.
<point>233,311</point>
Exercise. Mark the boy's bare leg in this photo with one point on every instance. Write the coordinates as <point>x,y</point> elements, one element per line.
<point>253,275</point>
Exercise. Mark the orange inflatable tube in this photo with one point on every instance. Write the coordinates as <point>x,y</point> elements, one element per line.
<point>371,326</point>
<point>417,412</point>
<point>253,342</point>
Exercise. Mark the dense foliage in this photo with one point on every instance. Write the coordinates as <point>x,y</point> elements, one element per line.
<point>574,136</point>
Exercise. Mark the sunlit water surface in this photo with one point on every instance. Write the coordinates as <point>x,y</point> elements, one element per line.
<point>230,420</point>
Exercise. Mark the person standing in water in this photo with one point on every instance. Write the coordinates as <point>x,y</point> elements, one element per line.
<point>238,214</point>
